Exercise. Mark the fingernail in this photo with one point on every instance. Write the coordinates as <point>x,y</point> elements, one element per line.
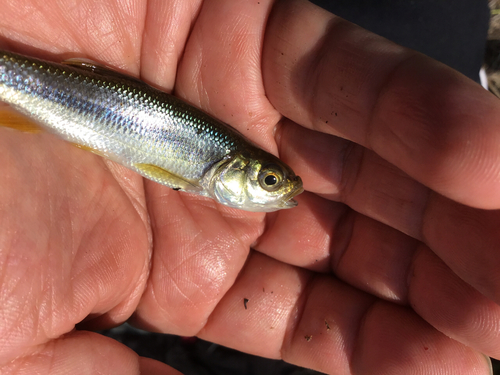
<point>488,360</point>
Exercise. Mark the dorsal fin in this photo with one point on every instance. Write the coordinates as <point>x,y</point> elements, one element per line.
<point>102,70</point>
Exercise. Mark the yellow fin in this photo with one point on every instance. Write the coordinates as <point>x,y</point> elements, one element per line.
<point>167,178</point>
<point>10,118</point>
<point>93,150</point>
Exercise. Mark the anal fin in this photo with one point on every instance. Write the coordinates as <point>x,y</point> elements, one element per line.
<point>10,118</point>
<point>170,179</point>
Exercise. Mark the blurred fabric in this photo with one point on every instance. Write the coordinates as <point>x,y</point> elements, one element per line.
<point>453,32</point>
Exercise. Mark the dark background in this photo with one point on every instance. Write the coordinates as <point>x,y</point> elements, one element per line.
<point>451,31</point>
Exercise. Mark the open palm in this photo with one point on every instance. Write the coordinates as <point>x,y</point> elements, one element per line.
<point>387,266</point>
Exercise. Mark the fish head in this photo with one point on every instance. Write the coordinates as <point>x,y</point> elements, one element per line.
<point>259,183</point>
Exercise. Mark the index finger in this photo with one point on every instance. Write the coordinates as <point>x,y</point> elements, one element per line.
<point>420,115</point>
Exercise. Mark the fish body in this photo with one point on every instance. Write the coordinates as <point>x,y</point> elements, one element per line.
<point>149,131</point>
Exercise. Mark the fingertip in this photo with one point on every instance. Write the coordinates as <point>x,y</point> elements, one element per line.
<point>488,363</point>
<point>148,366</point>
<point>394,340</point>
<point>440,128</point>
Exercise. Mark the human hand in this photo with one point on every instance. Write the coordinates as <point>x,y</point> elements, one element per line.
<point>398,155</point>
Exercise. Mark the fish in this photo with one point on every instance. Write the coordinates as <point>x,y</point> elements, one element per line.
<point>153,133</point>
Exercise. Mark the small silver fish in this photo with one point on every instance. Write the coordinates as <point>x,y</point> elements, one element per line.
<point>149,131</point>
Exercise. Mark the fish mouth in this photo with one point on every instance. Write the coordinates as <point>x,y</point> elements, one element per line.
<point>298,189</point>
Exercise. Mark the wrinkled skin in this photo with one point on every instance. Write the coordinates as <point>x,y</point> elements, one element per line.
<point>400,161</point>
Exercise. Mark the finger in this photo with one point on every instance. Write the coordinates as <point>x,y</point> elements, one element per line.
<point>220,70</point>
<point>361,251</point>
<point>467,240</point>
<point>85,29</point>
<point>166,30</point>
<point>451,305</point>
<point>431,122</point>
<point>304,236</point>
<point>277,311</point>
<point>153,367</point>
<point>83,352</point>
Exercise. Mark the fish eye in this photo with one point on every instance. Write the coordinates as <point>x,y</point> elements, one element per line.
<point>271,180</point>
<point>271,177</point>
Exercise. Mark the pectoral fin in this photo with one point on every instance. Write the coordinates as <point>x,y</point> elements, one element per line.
<point>167,178</point>
<point>9,118</point>
<point>93,150</point>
